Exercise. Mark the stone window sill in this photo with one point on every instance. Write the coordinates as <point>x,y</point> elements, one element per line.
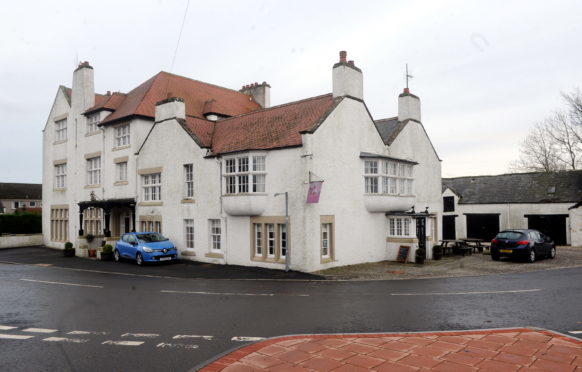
<point>214,255</point>
<point>150,203</point>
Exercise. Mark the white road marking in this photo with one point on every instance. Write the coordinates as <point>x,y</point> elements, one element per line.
<point>71,284</point>
<point>147,335</point>
<point>86,333</point>
<point>236,294</point>
<point>176,346</point>
<point>575,332</point>
<point>463,293</point>
<point>39,330</point>
<point>64,339</point>
<point>123,343</point>
<point>177,337</point>
<point>244,339</point>
<point>6,328</point>
<point>14,337</point>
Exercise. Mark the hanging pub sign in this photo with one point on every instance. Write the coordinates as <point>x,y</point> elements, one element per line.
<point>314,191</point>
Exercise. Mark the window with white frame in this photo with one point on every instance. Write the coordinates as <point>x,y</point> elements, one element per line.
<point>188,181</point>
<point>122,135</point>
<point>258,229</point>
<point>121,171</point>
<point>245,174</point>
<point>61,130</point>
<point>270,239</point>
<point>59,224</point>
<point>399,226</point>
<point>151,225</point>
<point>152,187</point>
<point>60,176</point>
<point>189,232</point>
<point>92,121</point>
<point>93,218</point>
<point>215,234</point>
<point>32,204</point>
<point>283,239</point>
<point>325,240</point>
<point>390,177</point>
<point>94,171</point>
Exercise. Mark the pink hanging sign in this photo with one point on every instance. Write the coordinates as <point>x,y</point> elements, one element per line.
<point>314,191</point>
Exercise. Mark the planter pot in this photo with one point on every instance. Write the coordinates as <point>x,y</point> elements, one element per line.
<point>419,260</point>
<point>69,252</point>
<point>92,253</point>
<point>107,256</point>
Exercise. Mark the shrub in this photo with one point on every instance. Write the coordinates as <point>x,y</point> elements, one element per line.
<point>69,245</point>
<point>420,255</point>
<point>21,223</point>
<point>90,238</point>
<point>107,248</point>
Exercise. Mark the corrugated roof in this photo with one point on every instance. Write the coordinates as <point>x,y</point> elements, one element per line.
<point>554,187</point>
<point>142,100</point>
<point>275,127</point>
<point>21,191</point>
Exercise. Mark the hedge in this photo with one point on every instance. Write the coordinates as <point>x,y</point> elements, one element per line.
<point>21,223</point>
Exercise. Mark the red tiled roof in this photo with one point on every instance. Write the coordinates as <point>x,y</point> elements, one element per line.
<point>142,100</point>
<point>201,130</point>
<point>271,128</point>
<point>107,102</point>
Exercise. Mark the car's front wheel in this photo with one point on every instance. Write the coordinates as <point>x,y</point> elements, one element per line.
<point>116,255</point>
<point>139,259</point>
<point>552,252</point>
<point>532,256</point>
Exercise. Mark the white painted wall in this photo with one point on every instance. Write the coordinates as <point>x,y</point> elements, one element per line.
<point>16,241</point>
<point>576,227</point>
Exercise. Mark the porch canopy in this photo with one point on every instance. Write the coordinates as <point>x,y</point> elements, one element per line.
<point>107,205</point>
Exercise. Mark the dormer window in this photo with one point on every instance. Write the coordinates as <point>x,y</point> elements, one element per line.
<point>390,177</point>
<point>92,121</point>
<point>245,174</point>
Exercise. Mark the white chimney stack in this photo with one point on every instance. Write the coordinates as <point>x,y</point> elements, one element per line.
<point>171,108</point>
<point>261,93</point>
<point>347,79</point>
<point>83,95</point>
<point>408,106</point>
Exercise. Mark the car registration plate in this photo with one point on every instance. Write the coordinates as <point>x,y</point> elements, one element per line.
<point>165,258</point>
<point>505,250</point>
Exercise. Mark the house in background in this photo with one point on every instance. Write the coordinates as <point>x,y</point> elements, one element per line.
<point>209,168</point>
<point>480,206</point>
<point>20,197</point>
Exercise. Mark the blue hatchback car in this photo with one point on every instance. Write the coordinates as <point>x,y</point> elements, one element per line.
<point>145,247</point>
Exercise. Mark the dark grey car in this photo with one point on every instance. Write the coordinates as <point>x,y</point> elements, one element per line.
<point>527,244</point>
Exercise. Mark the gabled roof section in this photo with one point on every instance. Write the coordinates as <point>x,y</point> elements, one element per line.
<point>21,191</point>
<point>67,92</point>
<point>142,100</point>
<point>108,102</point>
<point>275,127</point>
<point>389,129</point>
<point>200,130</point>
<point>554,187</point>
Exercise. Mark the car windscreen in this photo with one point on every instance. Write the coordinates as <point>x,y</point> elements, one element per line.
<point>152,237</point>
<point>511,235</point>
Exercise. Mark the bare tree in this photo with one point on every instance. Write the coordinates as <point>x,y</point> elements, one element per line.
<point>556,142</point>
<point>537,152</point>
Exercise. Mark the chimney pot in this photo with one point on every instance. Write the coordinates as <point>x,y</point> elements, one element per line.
<point>343,56</point>
<point>406,91</point>
<point>351,63</point>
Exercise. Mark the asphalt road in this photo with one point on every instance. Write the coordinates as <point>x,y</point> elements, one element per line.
<point>56,319</point>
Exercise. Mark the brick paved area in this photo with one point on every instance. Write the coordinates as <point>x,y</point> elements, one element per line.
<point>519,349</point>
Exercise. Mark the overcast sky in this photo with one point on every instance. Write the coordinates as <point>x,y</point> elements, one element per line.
<point>485,71</point>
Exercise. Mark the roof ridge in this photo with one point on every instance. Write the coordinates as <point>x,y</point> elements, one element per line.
<point>278,106</point>
<point>385,119</point>
<point>202,82</point>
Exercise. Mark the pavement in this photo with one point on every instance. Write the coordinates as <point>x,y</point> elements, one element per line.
<point>514,349</point>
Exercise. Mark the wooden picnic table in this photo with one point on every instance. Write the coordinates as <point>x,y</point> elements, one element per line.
<point>474,244</point>
<point>455,246</point>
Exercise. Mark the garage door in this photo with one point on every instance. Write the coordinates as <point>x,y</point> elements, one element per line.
<point>553,225</point>
<point>482,226</point>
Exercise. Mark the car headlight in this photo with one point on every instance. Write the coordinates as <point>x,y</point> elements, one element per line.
<point>148,250</point>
